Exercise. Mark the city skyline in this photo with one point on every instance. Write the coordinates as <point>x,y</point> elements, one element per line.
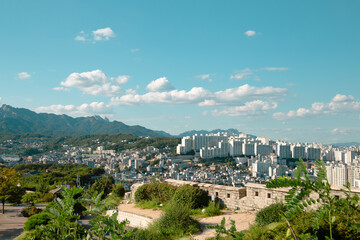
<point>284,70</point>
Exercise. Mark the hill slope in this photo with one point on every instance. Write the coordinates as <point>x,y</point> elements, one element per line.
<point>21,120</point>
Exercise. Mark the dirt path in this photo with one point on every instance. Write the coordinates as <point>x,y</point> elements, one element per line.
<point>242,222</point>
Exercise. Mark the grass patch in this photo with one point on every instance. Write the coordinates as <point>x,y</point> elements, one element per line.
<point>151,204</point>
<point>112,201</point>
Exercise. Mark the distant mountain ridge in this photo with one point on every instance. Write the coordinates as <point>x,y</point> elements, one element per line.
<point>229,131</point>
<point>22,120</point>
<point>347,144</point>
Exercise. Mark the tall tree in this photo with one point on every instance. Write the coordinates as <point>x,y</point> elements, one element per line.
<point>9,180</point>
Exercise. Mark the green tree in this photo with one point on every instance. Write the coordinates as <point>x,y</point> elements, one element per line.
<point>9,181</point>
<point>118,190</point>
<point>104,185</point>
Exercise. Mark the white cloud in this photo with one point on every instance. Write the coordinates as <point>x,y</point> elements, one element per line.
<point>250,33</point>
<point>159,85</point>
<point>275,68</point>
<point>253,108</point>
<point>340,131</point>
<point>0,99</point>
<point>135,50</point>
<point>242,74</point>
<point>203,97</point>
<point>80,38</point>
<point>61,89</point>
<point>103,34</point>
<point>339,104</point>
<point>95,83</point>
<point>122,79</point>
<point>94,108</point>
<point>23,75</point>
<point>195,95</point>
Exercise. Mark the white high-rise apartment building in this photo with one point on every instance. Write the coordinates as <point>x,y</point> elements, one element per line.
<point>350,156</point>
<point>283,150</point>
<point>339,156</point>
<point>337,173</point>
<point>235,147</point>
<point>185,146</point>
<point>298,152</point>
<point>313,153</point>
<point>248,149</point>
<point>263,149</point>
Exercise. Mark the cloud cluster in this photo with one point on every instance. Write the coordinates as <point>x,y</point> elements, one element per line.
<point>101,34</point>
<point>241,74</point>
<point>95,83</point>
<point>159,85</point>
<point>339,104</point>
<point>23,75</point>
<point>202,96</point>
<point>253,108</point>
<point>94,108</point>
<point>250,33</point>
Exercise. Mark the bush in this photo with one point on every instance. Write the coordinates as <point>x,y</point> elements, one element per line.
<point>112,201</point>
<point>270,214</point>
<point>79,209</point>
<point>176,221</point>
<point>30,211</point>
<point>155,191</point>
<point>118,190</point>
<point>36,220</point>
<point>213,209</point>
<point>192,196</point>
<point>48,197</point>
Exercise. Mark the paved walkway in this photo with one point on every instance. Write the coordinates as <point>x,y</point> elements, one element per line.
<point>12,222</point>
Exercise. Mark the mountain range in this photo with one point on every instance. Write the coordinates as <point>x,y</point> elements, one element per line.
<point>20,120</point>
<point>229,131</point>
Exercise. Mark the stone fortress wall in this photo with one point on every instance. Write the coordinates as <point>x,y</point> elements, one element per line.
<point>251,197</point>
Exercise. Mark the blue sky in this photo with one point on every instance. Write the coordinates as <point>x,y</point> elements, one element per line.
<point>284,69</point>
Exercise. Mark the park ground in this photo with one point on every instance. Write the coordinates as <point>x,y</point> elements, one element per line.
<point>12,222</point>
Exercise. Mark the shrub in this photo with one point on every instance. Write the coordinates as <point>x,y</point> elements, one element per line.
<point>79,209</point>
<point>112,201</point>
<point>213,209</point>
<point>29,211</point>
<point>270,214</point>
<point>118,190</point>
<point>36,220</point>
<point>192,196</point>
<point>155,191</point>
<point>48,197</point>
<point>176,221</point>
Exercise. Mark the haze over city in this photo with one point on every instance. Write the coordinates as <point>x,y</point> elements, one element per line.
<point>285,70</point>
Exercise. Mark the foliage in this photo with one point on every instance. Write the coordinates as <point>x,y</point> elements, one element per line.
<point>112,201</point>
<point>118,190</point>
<point>231,232</point>
<point>176,221</point>
<point>270,214</point>
<point>104,185</point>
<point>47,197</point>
<point>30,211</point>
<point>148,204</point>
<point>213,209</point>
<point>31,198</point>
<point>334,215</point>
<point>102,224</point>
<point>161,192</point>
<point>59,174</point>
<point>192,196</point>
<point>9,180</point>
<point>38,219</point>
